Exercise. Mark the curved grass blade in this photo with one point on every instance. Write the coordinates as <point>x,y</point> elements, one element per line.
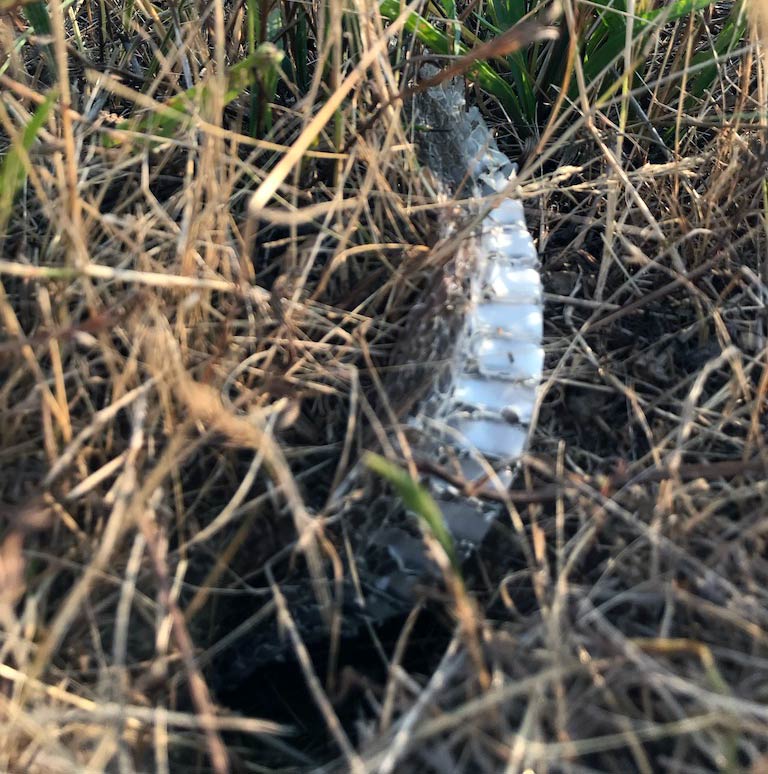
<point>612,44</point>
<point>13,172</point>
<point>416,498</point>
<point>506,14</point>
<point>438,42</point>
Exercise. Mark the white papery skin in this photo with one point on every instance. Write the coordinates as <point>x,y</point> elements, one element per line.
<point>484,416</point>
<point>501,359</point>
<point>498,359</point>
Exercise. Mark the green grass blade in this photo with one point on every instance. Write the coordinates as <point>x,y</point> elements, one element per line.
<point>727,40</point>
<point>302,51</point>
<point>449,6</point>
<point>612,45</point>
<point>505,14</point>
<point>253,24</point>
<point>675,11</point>
<point>416,499</point>
<point>426,32</point>
<point>13,172</point>
<point>38,18</point>
<point>438,42</point>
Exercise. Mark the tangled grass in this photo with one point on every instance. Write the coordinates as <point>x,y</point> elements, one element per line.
<point>197,318</point>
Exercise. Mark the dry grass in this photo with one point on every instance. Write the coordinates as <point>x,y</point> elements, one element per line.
<point>187,379</point>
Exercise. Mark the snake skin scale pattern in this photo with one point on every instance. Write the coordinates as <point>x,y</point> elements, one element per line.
<point>477,406</point>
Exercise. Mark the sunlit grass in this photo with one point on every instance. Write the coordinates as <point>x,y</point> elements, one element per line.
<point>213,229</point>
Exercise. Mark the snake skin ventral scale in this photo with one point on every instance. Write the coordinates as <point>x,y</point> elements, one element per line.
<point>479,403</point>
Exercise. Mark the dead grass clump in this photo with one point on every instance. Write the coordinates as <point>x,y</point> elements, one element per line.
<point>197,326</point>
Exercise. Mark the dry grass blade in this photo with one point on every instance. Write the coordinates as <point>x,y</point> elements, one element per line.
<point>202,329</point>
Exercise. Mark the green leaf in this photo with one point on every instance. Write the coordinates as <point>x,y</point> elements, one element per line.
<point>13,172</point>
<point>437,41</point>
<point>416,499</point>
<point>506,13</point>
<point>38,18</point>
<point>36,13</point>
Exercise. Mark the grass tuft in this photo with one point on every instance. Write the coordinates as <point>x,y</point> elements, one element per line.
<point>214,230</point>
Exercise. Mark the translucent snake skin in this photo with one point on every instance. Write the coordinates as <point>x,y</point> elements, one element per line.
<point>486,314</point>
<point>481,405</point>
<point>498,359</point>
